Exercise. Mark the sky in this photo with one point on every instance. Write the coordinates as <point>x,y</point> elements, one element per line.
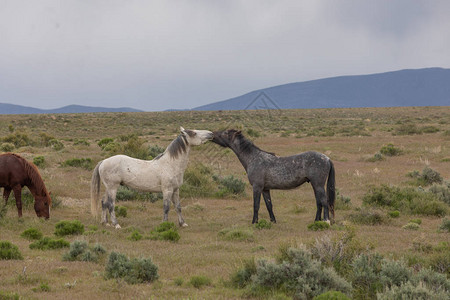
<point>158,55</point>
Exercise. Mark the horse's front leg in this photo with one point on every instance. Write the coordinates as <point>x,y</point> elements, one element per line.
<point>177,205</point>
<point>18,195</point>
<point>167,196</point>
<point>256,201</point>
<point>268,200</point>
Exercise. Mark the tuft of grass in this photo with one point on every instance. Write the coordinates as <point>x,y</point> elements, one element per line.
<point>263,224</point>
<point>426,178</point>
<point>445,226</point>
<point>39,161</point>
<point>135,236</point>
<point>411,226</point>
<point>32,234</point>
<point>9,251</point>
<point>80,251</point>
<point>63,228</point>
<point>178,281</point>
<point>417,221</point>
<point>136,270</point>
<point>47,243</point>
<point>166,231</point>
<point>121,211</point>
<point>367,217</point>
<point>318,226</point>
<point>84,163</point>
<point>199,281</point>
<point>394,214</point>
<point>236,234</point>
<point>390,150</point>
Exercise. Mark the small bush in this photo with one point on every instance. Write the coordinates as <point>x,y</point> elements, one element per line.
<point>84,163</point>
<point>442,192</point>
<point>199,281</point>
<point>81,142</point>
<point>445,226</point>
<point>367,217</point>
<point>342,202</point>
<point>428,177</point>
<point>417,221</point>
<point>155,150</point>
<point>32,234</point>
<point>125,193</point>
<point>9,251</point>
<point>332,295</point>
<point>56,145</point>
<point>229,185</point>
<point>318,225</point>
<point>80,251</point>
<point>394,214</point>
<point>411,290</point>
<point>7,147</point>
<point>235,234</point>
<point>390,150</point>
<point>132,271</point>
<point>104,142</point>
<point>39,161</point>
<point>411,226</point>
<point>242,277</point>
<point>197,182</point>
<point>166,231</point>
<point>121,211</point>
<point>178,281</point>
<point>63,228</point>
<point>135,236</point>
<point>47,243</point>
<point>365,276</point>
<point>407,129</point>
<point>18,139</point>
<point>263,224</point>
<point>44,287</point>
<point>376,157</point>
<point>394,273</point>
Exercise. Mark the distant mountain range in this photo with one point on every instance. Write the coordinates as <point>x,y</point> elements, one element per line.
<point>18,109</point>
<point>419,87</point>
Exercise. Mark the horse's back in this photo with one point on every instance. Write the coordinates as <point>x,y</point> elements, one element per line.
<point>11,169</point>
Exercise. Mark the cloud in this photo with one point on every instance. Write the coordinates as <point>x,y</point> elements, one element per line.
<point>157,55</point>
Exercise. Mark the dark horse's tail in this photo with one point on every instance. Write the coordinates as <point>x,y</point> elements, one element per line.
<point>331,191</point>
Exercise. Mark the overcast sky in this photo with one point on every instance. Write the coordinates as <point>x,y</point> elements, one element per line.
<point>156,55</point>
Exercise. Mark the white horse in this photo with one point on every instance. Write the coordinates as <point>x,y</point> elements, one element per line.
<point>162,174</point>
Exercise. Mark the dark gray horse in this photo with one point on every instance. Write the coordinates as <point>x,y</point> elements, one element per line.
<point>267,171</point>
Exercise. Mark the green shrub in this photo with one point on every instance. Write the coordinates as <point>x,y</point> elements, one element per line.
<point>9,251</point>
<point>199,281</point>
<point>332,295</point>
<point>407,129</point>
<point>410,290</point>
<point>178,281</point>
<point>80,251</point>
<point>7,147</point>
<point>32,234</point>
<point>63,228</point>
<point>155,150</point>
<point>84,163</point>
<point>263,224</point>
<point>394,272</point>
<point>411,226</point>
<point>318,225</point>
<point>125,193</point>
<point>428,177</point>
<point>405,199</point>
<point>236,234</point>
<point>9,296</point>
<point>104,142</point>
<point>229,185</point>
<point>242,277</point>
<point>39,161</point>
<point>81,142</point>
<point>299,275</point>
<point>390,150</point>
<point>429,129</point>
<point>394,214</point>
<point>135,236</point>
<point>417,221</point>
<point>56,145</point>
<point>365,276</point>
<point>47,243</point>
<point>376,157</point>
<point>136,270</point>
<point>166,231</point>
<point>342,202</point>
<point>445,225</point>
<point>18,139</point>
<point>367,217</point>
<point>442,192</point>
<point>253,133</point>
<point>121,211</point>
<point>197,182</point>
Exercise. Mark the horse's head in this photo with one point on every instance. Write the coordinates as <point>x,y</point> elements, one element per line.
<point>226,138</point>
<point>42,205</point>
<point>196,137</point>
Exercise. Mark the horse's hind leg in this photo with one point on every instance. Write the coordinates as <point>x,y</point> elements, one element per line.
<point>18,195</point>
<point>268,200</point>
<point>109,204</point>
<point>6,192</point>
<point>177,205</point>
<point>321,201</point>
<point>167,196</point>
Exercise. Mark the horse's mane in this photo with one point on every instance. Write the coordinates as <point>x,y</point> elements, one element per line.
<point>246,145</point>
<point>176,147</point>
<point>35,176</point>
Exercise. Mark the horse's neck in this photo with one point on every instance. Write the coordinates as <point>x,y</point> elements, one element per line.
<point>245,156</point>
<point>181,161</point>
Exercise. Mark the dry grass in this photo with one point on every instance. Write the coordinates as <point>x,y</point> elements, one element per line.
<point>200,251</point>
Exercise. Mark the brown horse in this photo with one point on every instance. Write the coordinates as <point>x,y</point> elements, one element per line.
<point>15,173</point>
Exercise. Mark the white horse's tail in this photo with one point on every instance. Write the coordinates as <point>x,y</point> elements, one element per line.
<point>95,190</point>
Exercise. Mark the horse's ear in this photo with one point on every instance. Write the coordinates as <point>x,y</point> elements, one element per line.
<point>183,131</point>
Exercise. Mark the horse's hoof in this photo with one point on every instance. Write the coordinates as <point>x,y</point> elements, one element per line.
<point>184,225</point>
<point>117,226</point>
<point>107,224</point>
<point>328,221</point>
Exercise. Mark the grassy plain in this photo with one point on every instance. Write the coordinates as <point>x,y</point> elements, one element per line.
<point>350,137</point>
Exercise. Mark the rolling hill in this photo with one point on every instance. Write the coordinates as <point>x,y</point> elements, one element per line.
<point>13,109</point>
<point>418,87</point>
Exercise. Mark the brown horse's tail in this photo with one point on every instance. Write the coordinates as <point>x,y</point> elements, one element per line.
<point>95,190</point>
<point>331,191</point>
